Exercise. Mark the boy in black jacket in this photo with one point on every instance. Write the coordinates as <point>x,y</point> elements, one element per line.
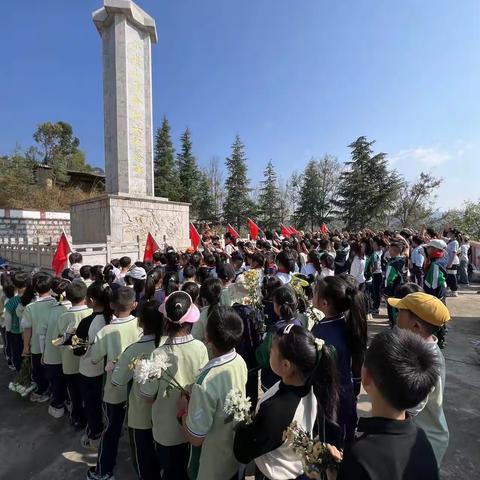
<point>399,372</point>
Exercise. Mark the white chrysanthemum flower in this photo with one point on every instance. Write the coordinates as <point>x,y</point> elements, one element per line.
<point>159,363</point>
<point>142,371</point>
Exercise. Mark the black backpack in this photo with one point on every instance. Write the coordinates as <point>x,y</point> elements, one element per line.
<point>253,329</point>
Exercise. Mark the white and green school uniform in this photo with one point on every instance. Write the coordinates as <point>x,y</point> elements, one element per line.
<point>139,413</point>
<point>35,316</point>
<point>86,367</point>
<point>206,418</point>
<point>187,357</point>
<point>198,329</point>
<point>51,354</point>
<point>109,344</point>
<point>68,323</point>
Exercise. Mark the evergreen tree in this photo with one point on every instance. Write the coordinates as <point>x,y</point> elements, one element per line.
<point>188,171</point>
<point>237,205</point>
<point>166,180</point>
<point>204,201</point>
<point>368,189</point>
<point>306,214</point>
<point>269,199</point>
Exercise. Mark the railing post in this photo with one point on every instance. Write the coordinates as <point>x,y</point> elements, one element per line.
<point>108,252</point>
<point>138,247</point>
<point>38,251</point>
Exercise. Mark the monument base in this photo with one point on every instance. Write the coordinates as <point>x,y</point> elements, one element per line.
<point>125,220</point>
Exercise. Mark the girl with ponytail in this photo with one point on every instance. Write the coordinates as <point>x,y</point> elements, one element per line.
<point>186,356</point>
<point>345,328</point>
<point>306,393</point>
<point>285,307</point>
<point>154,285</point>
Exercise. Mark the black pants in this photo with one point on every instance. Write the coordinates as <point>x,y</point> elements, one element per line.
<point>377,279</point>
<point>251,388</point>
<point>452,278</point>
<point>15,349</point>
<point>92,391</point>
<point>73,385</point>
<point>6,347</point>
<point>418,274</point>
<point>38,373</point>
<point>144,458</point>
<point>54,374</point>
<point>173,461</point>
<point>114,415</point>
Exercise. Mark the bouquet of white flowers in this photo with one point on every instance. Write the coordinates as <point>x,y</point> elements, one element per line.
<point>155,368</point>
<point>238,407</point>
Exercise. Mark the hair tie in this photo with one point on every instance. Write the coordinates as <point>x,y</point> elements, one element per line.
<point>288,328</point>
<point>178,304</point>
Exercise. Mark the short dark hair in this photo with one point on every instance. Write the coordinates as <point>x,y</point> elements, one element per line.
<point>189,271</point>
<point>85,272</point>
<point>406,289</point>
<point>192,289</point>
<point>286,260</point>
<point>125,262</point>
<point>123,298</point>
<point>19,279</point>
<point>226,272</point>
<point>224,328</point>
<point>43,282</point>
<point>403,367</point>
<point>75,257</point>
<point>76,291</point>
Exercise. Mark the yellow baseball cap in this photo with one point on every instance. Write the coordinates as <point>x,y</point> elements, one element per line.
<point>427,307</point>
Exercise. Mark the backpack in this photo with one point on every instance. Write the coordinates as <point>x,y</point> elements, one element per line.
<point>253,326</point>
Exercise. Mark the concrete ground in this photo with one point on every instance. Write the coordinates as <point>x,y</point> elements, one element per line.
<point>35,446</point>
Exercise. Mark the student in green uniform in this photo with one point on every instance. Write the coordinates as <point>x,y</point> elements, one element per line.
<point>204,419</point>
<point>139,414</point>
<point>52,357</point>
<point>109,344</point>
<point>34,317</point>
<point>187,356</point>
<point>67,324</point>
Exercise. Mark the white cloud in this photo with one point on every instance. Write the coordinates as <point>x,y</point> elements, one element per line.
<point>428,157</point>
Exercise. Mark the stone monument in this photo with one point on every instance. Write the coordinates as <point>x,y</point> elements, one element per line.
<point>129,209</point>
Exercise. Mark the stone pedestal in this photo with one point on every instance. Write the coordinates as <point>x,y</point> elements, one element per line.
<point>122,219</point>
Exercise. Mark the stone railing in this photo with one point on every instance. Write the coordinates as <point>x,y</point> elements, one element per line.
<point>21,251</point>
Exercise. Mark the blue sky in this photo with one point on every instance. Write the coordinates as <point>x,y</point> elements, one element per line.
<point>295,78</point>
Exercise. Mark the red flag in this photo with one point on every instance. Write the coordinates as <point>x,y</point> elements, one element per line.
<point>232,232</point>
<point>253,228</point>
<point>324,228</point>
<point>150,247</point>
<point>194,237</point>
<point>294,231</point>
<point>285,231</point>
<point>60,256</point>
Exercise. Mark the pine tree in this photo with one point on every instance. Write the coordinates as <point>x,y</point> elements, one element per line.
<point>237,203</point>
<point>166,181</point>
<point>269,199</point>
<point>188,171</point>
<point>368,189</point>
<point>204,200</point>
<point>306,214</point>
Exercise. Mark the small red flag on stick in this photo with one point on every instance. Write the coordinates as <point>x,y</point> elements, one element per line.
<point>232,232</point>
<point>253,228</point>
<point>60,256</point>
<point>150,248</point>
<point>285,231</point>
<point>194,237</point>
<point>324,228</point>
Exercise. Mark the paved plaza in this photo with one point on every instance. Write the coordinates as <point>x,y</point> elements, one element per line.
<point>35,446</point>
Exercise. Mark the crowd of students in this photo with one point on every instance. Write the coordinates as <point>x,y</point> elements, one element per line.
<point>294,340</point>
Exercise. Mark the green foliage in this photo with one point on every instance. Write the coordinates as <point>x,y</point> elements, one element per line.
<point>60,148</point>
<point>204,201</point>
<point>16,179</point>
<point>368,189</point>
<point>317,192</point>
<point>76,161</point>
<point>166,179</point>
<point>269,199</point>
<point>414,205</point>
<point>466,219</point>
<point>237,205</point>
<point>188,171</point>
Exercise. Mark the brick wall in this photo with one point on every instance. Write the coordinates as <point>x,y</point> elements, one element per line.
<point>33,224</point>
